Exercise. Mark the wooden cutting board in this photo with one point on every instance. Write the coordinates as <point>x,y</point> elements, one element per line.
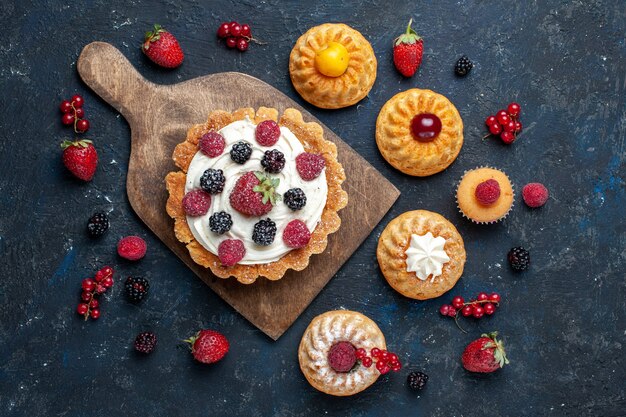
<point>159,116</point>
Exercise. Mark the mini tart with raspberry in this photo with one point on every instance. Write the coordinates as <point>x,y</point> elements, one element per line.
<point>421,254</point>
<point>234,237</point>
<point>419,132</point>
<point>485,195</point>
<point>332,66</point>
<point>317,352</point>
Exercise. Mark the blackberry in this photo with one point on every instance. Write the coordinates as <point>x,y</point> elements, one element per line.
<point>220,222</point>
<point>97,225</point>
<point>417,380</point>
<point>145,342</point>
<point>136,288</point>
<point>264,232</point>
<point>212,181</point>
<point>273,161</point>
<point>240,152</point>
<point>519,258</point>
<point>295,198</point>
<point>463,66</point>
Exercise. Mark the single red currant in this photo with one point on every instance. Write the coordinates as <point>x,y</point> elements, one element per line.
<point>65,106</point>
<point>360,353</point>
<point>77,101</point>
<point>489,308</point>
<point>82,308</point>
<point>80,113</point>
<point>452,312</point>
<point>466,311</point>
<point>224,30</point>
<point>367,362</point>
<point>231,42</point>
<point>384,370</point>
<point>242,44</point>
<point>495,129</point>
<point>107,282</point>
<point>85,296</point>
<point>507,137</point>
<point>95,314</point>
<point>235,30</point>
<point>396,368</point>
<point>457,302</point>
<point>514,109</point>
<point>67,119</point>
<point>503,119</point>
<point>375,352</point>
<point>482,296</point>
<point>494,297</point>
<point>384,355</point>
<point>88,284</point>
<point>491,120</point>
<point>393,358</point>
<point>94,303</point>
<point>510,126</point>
<point>101,289</point>
<point>82,125</point>
<point>444,309</point>
<point>246,31</point>
<point>518,126</point>
<point>501,113</point>
<point>233,23</point>
<point>477,311</point>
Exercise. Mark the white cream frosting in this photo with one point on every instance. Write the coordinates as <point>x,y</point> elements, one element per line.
<point>316,192</point>
<point>426,256</point>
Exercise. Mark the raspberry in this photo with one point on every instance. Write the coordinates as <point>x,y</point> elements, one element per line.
<point>264,232</point>
<point>196,202</point>
<point>136,288</point>
<point>310,165</point>
<point>535,194</point>
<point>273,161</point>
<point>145,342</point>
<point>97,225</point>
<point>342,356</point>
<point>296,234</point>
<point>231,251</point>
<point>487,192</point>
<point>417,380</point>
<point>240,152</point>
<point>132,248</point>
<point>212,144</point>
<point>519,258</point>
<point>220,222</point>
<point>267,133</point>
<point>212,181</point>
<point>295,198</point>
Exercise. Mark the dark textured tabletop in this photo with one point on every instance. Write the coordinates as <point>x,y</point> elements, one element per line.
<point>563,321</point>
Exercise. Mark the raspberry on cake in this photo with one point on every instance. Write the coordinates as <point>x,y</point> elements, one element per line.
<point>263,203</point>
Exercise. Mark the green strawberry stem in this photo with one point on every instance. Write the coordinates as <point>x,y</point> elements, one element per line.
<point>498,354</point>
<point>83,143</point>
<point>192,340</point>
<point>408,37</point>
<point>152,36</point>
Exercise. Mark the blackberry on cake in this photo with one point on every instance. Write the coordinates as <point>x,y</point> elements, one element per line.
<point>220,222</point>
<point>273,161</point>
<point>212,181</point>
<point>295,198</point>
<point>264,232</point>
<point>240,152</point>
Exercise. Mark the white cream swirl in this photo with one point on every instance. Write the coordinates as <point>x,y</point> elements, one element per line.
<point>426,256</point>
<point>316,192</point>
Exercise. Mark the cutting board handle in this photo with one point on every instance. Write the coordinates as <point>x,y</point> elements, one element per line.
<point>107,72</point>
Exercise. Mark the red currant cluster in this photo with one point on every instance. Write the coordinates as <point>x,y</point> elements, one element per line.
<point>385,361</point>
<point>236,35</point>
<point>73,113</point>
<point>506,123</point>
<point>93,288</point>
<point>483,304</point>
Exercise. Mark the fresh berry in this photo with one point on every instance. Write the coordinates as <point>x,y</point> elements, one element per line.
<point>240,152</point>
<point>360,353</point>
<point>487,192</point>
<point>507,137</point>
<point>495,129</point>
<point>310,165</point>
<point>425,127</point>
<point>482,296</point>
<point>500,114</point>
<point>196,202</point>
<point>136,288</point>
<point>509,127</point>
<point>342,356</point>
<point>254,194</point>
<point>494,298</point>
<point>231,42</point>
<point>514,109</point>
<point>67,119</point>
<point>463,66</point>
<point>367,362</point>
<point>416,380</point>
<point>212,181</point>
<point>162,48</point>
<point>489,309</point>
<point>485,354</point>
<point>104,272</point>
<point>407,51</point>
<point>246,31</point>
<point>264,232</point>
<point>94,314</point>
<point>490,121</point>
<point>77,101</point>
<point>503,118</point>
<point>477,311</point>
<point>535,194</point>
<point>65,106</point>
<point>212,144</point>
<point>145,342</point>
<point>235,30</point>
<point>267,133</point>
<point>94,303</point>
<point>295,198</point>
<point>451,311</point>
<point>80,158</point>
<point>273,161</point>
<point>85,296</point>
<point>231,251</point>
<point>458,302</point>
<point>82,125</point>
<point>296,234</point>
<point>132,248</point>
<point>466,311</point>
<point>220,222</point>
<point>518,126</point>
<point>107,282</point>
<point>82,309</point>
<point>98,224</point>
<point>444,309</point>
<point>208,346</point>
<point>242,44</point>
<point>79,113</point>
<point>519,258</point>
<point>224,30</point>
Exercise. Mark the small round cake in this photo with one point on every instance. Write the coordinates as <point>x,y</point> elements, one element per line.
<point>332,66</point>
<point>485,195</point>
<point>421,254</point>
<point>256,195</point>
<point>327,352</point>
<point>419,132</point>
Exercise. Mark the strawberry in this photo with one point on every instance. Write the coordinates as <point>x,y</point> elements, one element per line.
<point>407,51</point>
<point>80,158</point>
<point>162,48</point>
<point>485,354</point>
<point>254,194</point>
<point>208,346</point>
